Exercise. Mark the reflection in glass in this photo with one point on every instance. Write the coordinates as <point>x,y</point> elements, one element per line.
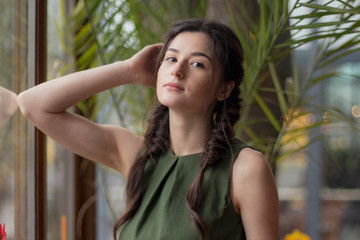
<point>13,135</point>
<point>59,161</point>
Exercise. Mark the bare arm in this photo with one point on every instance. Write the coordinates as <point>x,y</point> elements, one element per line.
<point>254,195</point>
<point>45,106</point>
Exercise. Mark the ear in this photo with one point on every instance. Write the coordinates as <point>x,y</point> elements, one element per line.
<point>225,91</point>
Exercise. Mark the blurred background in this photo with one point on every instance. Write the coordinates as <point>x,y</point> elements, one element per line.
<point>301,107</point>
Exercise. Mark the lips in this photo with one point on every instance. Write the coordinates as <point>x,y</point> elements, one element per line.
<point>174,86</point>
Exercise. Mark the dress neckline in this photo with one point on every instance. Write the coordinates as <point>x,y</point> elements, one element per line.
<point>171,153</point>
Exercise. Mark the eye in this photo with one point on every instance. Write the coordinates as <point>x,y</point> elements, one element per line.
<point>198,64</point>
<point>171,59</point>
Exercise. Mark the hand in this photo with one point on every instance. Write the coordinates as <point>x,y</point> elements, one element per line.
<point>8,105</point>
<point>142,65</point>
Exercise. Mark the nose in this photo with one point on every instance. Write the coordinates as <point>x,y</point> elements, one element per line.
<point>178,70</point>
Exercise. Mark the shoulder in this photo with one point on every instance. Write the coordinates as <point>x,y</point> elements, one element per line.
<point>249,163</point>
<point>254,195</point>
<point>251,172</point>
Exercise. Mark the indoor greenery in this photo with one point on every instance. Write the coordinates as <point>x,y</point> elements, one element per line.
<point>276,93</point>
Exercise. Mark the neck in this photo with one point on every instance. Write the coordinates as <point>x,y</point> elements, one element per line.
<point>188,132</point>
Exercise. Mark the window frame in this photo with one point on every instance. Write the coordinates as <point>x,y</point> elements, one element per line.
<point>36,148</point>
<point>40,146</point>
<point>36,169</point>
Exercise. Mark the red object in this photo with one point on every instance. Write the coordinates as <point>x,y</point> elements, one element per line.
<point>2,232</point>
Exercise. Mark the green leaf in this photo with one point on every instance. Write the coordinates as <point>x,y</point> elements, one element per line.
<point>352,10</point>
<point>339,56</point>
<point>321,24</point>
<point>278,88</point>
<point>274,122</point>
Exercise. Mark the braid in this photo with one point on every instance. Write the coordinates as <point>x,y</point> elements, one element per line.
<point>156,141</point>
<point>157,137</point>
<point>215,147</point>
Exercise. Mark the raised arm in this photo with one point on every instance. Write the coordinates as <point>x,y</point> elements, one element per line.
<point>45,106</point>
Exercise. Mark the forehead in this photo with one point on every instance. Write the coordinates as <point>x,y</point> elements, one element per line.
<point>192,42</point>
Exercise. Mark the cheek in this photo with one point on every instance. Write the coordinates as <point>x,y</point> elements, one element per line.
<point>205,84</point>
<point>208,90</point>
<point>160,73</point>
<point>157,83</point>
<point>159,80</point>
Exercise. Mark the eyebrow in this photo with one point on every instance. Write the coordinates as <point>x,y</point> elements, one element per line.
<point>192,54</point>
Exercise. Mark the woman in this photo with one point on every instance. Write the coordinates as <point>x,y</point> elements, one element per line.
<point>188,177</point>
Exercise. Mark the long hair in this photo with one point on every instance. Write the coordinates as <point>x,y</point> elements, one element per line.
<point>227,52</point>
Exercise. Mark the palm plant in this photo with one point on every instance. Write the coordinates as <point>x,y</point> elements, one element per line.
<point>270,32</point>
<point>106,31</point>
<point>264,52</point>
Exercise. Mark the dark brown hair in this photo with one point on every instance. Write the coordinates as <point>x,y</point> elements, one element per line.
<point>227,52</point>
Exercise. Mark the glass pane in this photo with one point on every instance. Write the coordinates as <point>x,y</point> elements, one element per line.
<point>13,135</point>
<point>60,171</point>
<point>341,199</point>
<point>110,201</point>
<point>291,180</point>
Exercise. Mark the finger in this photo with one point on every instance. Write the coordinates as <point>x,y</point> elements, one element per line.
<point>154,52</point>
<point>156,48</point>
<point>8,105</point>
<point>157,45</point>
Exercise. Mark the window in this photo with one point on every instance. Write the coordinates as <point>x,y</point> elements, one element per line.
<point>16,187</point>
<point>45,194</point>
<point>319,186</point>
<point>60,175</point>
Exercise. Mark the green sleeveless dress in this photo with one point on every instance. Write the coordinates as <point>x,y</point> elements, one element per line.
<point>163,215</point>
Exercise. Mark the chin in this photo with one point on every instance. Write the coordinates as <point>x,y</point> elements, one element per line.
<point>167,100</point>
<point>169,104</point>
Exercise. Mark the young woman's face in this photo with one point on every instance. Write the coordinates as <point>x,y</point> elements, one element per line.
<point>185,77</point>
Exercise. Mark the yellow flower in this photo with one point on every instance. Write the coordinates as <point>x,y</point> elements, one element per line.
<point>297,235</point>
